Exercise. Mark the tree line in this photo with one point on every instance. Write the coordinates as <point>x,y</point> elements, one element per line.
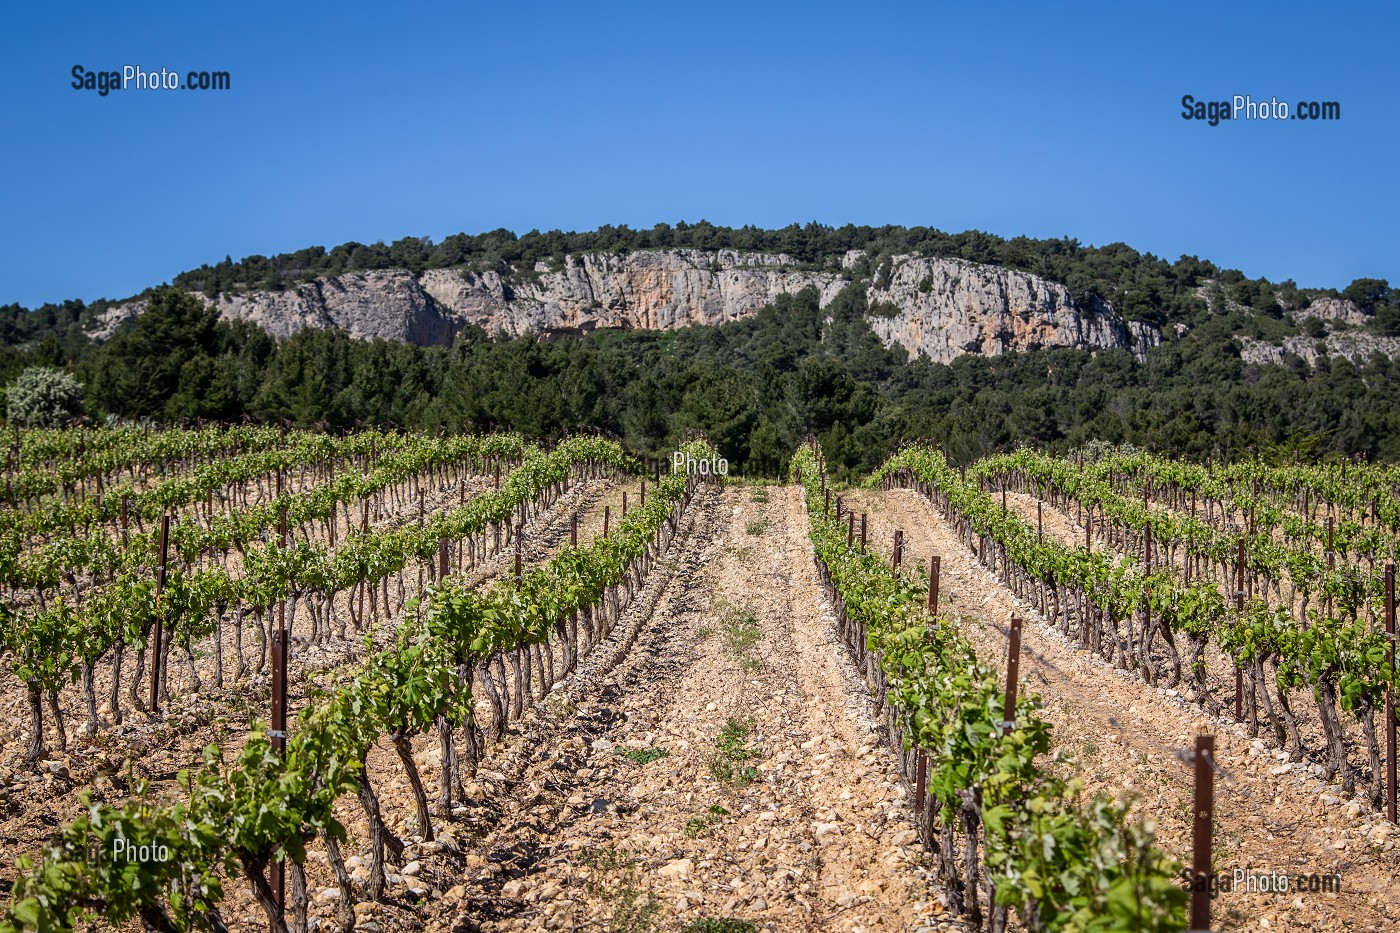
<point>755,386</point>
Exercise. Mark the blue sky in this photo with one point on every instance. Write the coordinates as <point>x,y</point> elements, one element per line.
<point>353,121</point>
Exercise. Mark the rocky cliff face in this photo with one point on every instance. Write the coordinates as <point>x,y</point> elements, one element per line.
<point>946,307</point>
<point>939,307</point>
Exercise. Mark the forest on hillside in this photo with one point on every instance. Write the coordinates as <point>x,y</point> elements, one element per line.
<point>755,386</point>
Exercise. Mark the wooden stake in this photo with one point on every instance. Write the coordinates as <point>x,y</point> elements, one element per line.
<point>519,556</point>
<point>934,566</point>
<point>1203,824</point>
<point>1239,607</point>
<point>277,872</point>
<point>1390,693</point>
<point>1013,670</point>
<point>159,626</point>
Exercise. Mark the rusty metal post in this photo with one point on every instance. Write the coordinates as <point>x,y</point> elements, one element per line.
<point>862,532</point>
<point>157,635</point>
<point>442,559</point>
<point>1088,528</point>
<point>898,546</point>
<point>607,519</point>
<point>1013,672</point>
<point>1203,824</point>
<point>642,499</point>
<point>624,503</point>
<point>1039,522</point>
<point>573,530</point>
<point>934,566</point>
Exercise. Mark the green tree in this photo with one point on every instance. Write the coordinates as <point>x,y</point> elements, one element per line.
<point>138,371</point>
<point>44,398</point>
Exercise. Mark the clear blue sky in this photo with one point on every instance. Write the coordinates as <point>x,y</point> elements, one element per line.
<point>358,121</point>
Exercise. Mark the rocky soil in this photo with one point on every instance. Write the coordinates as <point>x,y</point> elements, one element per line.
<point>726,766</point>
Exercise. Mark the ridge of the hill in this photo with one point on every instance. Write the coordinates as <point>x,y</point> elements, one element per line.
<point>939,307</point>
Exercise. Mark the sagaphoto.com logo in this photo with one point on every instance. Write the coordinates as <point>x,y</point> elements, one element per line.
<point>134,77</point>
<point>1245,107</point>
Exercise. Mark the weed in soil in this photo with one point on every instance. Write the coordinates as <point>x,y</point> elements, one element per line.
<point>643,756</point>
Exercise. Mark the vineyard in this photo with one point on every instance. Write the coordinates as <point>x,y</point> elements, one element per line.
<point>261,678</point>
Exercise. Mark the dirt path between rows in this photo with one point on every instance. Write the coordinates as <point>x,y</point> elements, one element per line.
<point>1125,734</point>
<point>627,814</point>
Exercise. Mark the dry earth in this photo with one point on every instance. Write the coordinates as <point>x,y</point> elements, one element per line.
<point>618,809</point>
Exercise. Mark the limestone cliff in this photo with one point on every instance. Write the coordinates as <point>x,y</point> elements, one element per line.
<point>946,307</point>
<point>938,307</point>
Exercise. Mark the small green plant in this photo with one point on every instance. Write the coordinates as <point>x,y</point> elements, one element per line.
<point>633,910</point>
<point>719,925</point>
<point>742,632</point>
<point>757,527</point>
<point>643,756</point>
<point>760,494</point>
<point>733,748</point>
<point>725,772</point>
<point>699,825</point>
<point>734,736</point>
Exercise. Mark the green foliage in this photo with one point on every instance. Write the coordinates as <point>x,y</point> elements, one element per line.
<point>758,385</point>
<point>643,756</point>
<point>43,398</point>
<point>265,806</point>
<point>169,348</point>
<point>719,925</point>
<point>1073,867</point>
<point>733,748</point>
<point>699,825</point>
<point>741,632</point>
